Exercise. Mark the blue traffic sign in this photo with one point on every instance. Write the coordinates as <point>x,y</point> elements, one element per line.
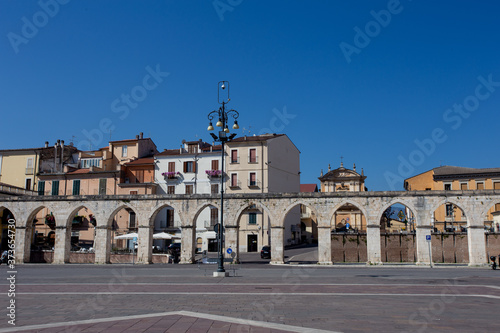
<point>229,251</point>
<point>427,237</point>
<point>135,239</point>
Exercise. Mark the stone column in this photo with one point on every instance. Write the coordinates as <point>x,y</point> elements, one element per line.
<point>231,241</point>
<point>422,247</point>
<point>477,245</point>
<point>324,245</point>
<point>187,248</point>
<point>373,244</point>
<point>102,244</point>
<point>144,246</point>
<point>62,246</point>
<point>23,245</point>
<point>277,248</point>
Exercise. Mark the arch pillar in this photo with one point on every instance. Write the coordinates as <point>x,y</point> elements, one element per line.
<point>145,243</point>
<point>373,247</point>
<point>324,245</point>
<point>23,244</point>
<point>423,254</point>
<point>187,248</point>
<point>477,246</point>
<point>62,245</point>
<point>277,248</point>
<point>102,244</point>
<point>231,241</point>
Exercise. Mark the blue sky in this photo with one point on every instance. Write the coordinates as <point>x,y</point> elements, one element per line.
<point>373,81</point>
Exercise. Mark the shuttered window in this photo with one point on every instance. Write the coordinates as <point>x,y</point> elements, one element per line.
<point>55,187</point>
<point>171,166</point>
<point>190,166</point>
<point>215,165</point>
<point>463,186</point>
<point>496,186</point>
<point>41,187</point>
<point>76,187</point>
<point>102,186</point>
<point>480,186</point>
<point>252,158</point>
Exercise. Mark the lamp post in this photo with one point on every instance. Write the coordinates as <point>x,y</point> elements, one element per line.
<point>223,137</point>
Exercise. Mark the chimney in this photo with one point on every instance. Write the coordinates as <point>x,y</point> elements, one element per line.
<point>137,137</point>
<point>46,144</point>
<point>141,135</point>
<point>62,154</point>
<point>55,157</point>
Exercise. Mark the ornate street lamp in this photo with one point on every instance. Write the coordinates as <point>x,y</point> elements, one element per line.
<point>222,117</point>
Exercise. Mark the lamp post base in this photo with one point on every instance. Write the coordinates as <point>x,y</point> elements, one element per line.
<point>221,274</point>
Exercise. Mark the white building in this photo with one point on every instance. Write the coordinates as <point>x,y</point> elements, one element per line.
<point>194,168</point>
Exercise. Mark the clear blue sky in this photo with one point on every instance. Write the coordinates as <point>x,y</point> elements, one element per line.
<point>297,67</point>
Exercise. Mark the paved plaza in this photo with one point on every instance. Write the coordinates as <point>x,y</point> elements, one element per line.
<point>256,297</point>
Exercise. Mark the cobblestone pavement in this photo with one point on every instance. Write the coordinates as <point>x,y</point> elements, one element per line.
<point>260,298</point>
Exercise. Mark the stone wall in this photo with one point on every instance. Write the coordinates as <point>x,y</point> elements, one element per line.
<point>348,247</point>
<point>396,247</point>
<point>42,256</point>
<point>450,248</point>
<point>493,245</point>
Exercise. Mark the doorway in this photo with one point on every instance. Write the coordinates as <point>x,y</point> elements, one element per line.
<point>251,243</point>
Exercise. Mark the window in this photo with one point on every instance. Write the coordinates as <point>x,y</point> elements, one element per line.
<point>214,216</point>
<point>102,186</point>
<point>234,180</point>
<point>76,187</point>
<point>27,184</point>
<point>214,188</point>
<point>91,162</point>
<point>171,166</point>
<point>215,165</point>
<point>190,166</point>
<point>192,149</point>
<point>449,210</point>
<point>131,220</point>
<point>252,156</point>
<point>41,187</point>
<point>171,189</point>
<point>480,186</point>
<point>133,192</point>
<point>253,179</point>
<point>139,176</point>
<point>170,218</point>
<point>497,207</point>
<point>463,186</point>
<point>29,166</point>
<point>496,186</point>
<point>252,218</point>
<point>234,156</point>
<point>189,189</point>
<point>124,151</point>
<point>55,187</point>
<point>447,187</point>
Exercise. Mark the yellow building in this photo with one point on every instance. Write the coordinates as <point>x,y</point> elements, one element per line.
<point>18,167</point>
<point>451,178</point>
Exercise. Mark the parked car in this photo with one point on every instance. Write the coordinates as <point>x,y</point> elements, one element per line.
<point>265,253</point>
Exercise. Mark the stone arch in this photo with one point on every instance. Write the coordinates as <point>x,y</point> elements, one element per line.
<point>242,208</point>
<point>345,202</point>
<point>45,242</point>
<point>393,202</point>
<point>156,210</point>
<point>299,202</point>
<point>116,210</point>
<point>202,206</point>
<point>445,201</point>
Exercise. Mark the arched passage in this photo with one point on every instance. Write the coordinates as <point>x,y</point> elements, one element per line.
<point>206,218</point>
<point>301,230</point>
<point>82,225</point>
<point>397,233</point>
<point>41,235</point>
<point>348,233</point>
<point>123,224</point>
<point>492,229</point>
<point>449,239</point>
<point>6,219</point>
<point>166,221</point>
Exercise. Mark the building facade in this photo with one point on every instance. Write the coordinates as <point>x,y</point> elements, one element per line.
<point>449,178</point>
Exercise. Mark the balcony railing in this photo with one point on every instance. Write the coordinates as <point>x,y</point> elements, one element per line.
<point>253,159</point>
<point>235,184</point>
<point>213,173</point>
<point>234,160</point>
<point>254,183</point>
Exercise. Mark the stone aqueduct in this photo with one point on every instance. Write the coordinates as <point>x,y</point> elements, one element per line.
<point>475,205</point>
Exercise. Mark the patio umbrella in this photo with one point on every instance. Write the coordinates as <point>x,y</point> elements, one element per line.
<point>132,235</point>
<point>164,235</point>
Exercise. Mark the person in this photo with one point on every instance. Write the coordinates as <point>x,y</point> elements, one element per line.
<point>3,258</point>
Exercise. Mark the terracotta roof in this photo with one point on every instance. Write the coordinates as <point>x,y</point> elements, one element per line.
<point>308,188</point>
<point>142,161</point>
<point>263,137</point>
<point>167,152</point>
<point>79,171</point>
<point>454,170</point>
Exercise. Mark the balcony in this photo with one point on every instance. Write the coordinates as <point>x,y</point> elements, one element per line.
<point>235,184</point>
<point>234,160</point>
<point>214,174</point>
<point>171,176</point>
<point>253,183</point>
<point>253,159</point>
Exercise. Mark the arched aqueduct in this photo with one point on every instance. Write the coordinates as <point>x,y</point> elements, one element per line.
<point>475,205</point>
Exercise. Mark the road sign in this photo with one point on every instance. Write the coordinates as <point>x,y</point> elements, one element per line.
<point>428,238</point>
<point>135,239</point>
<point>229,251</point>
